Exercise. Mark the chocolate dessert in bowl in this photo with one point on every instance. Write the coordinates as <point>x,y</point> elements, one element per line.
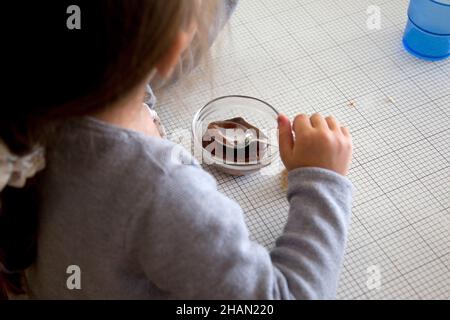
<point>236,134</point>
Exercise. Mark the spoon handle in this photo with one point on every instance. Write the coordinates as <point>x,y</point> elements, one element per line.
<point>265,142</point>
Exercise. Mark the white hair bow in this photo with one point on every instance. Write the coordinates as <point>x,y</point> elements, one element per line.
<point>15,170</point>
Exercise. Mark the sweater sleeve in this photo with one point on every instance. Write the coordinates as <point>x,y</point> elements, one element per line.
<point>309,252</point>
<point>193,243</point>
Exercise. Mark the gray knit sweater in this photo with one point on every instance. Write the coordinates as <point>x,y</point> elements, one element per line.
<point>142,224</point>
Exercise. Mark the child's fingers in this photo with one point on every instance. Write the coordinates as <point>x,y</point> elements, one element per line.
<point>317,121</point>
<point>301,124</point>
<point>333,124</point>
<point>345,131</point>
<point>286,139</point>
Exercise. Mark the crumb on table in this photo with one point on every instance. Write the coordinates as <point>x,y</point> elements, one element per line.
<point>352,103</point>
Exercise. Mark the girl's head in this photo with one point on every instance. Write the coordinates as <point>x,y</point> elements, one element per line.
<point>59,73</point>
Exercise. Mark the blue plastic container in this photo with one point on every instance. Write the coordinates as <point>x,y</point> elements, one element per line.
<point>427,33</point>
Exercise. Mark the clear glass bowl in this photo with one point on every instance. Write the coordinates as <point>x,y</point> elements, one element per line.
<point>256,112</point>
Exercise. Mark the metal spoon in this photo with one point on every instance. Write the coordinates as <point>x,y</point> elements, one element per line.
<point>248,138</point>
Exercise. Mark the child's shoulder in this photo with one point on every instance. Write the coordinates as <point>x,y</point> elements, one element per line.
<point>135,156</point>
<point>96,163</point>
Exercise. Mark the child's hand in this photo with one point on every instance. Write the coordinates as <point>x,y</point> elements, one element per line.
<point>318,142</point>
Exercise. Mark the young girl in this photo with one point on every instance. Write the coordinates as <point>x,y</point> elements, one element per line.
<point>88,181</point>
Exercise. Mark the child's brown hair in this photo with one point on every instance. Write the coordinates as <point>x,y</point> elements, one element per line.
<point>68,73</point>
